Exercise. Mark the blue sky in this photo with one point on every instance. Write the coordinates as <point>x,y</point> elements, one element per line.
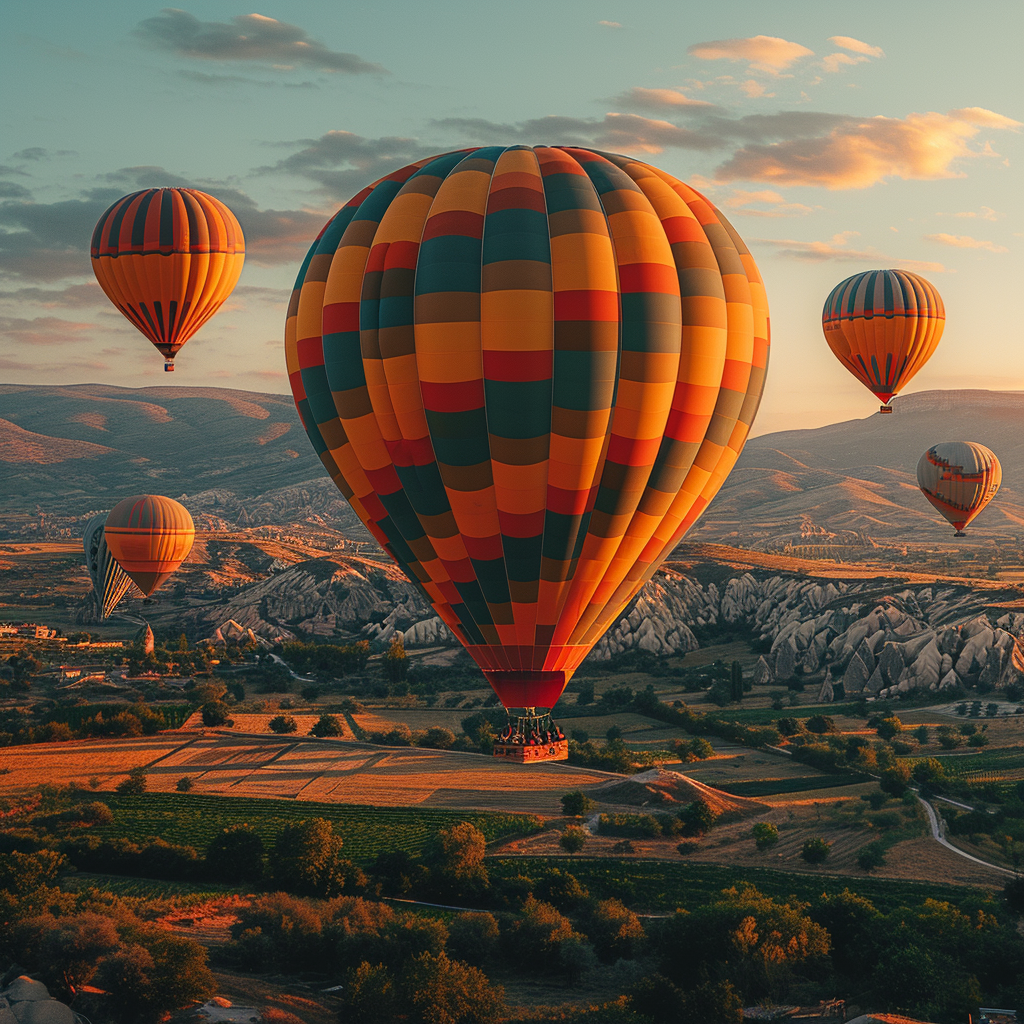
<point>836,140</point>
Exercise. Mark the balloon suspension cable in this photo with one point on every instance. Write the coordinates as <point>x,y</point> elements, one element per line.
<point>531,735</point>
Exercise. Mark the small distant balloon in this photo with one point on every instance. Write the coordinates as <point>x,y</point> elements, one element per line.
<point>150,536</point>
<point>168,258</point>
<point>959,478</point>
<point>883,326</point>
<point>109,581</point>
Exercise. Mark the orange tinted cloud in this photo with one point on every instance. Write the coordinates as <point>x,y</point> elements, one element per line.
<point>766,53</point>
<point>860,154</point>
<point>659,99</point>
<point>856,46</point>
<point>965,242</point>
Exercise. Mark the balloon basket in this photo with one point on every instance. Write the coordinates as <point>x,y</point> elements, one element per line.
<point>886,409</point>
<point>168,367</point>
<point>531,736</point>
<point>959,533</point>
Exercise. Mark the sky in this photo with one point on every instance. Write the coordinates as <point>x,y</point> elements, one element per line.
<point>835,138</point>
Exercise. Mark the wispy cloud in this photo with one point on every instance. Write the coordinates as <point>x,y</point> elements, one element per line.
<point>762,53</point>
<point>247,37</point>
<point>858,154</point>
<point>985,213</point>
<point>965,242</point>
<point>836,62</point>
<point>667,100</point>
<point>43,330</point>
<point>610,24</point>
<point>838,249</point>
<point>856,46</point>
<point>763,203</point>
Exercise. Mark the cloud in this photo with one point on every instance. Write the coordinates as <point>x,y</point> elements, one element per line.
<point>610,24</point>
<point>755,90</point>
<point>38,153</point>
<point>667,100</point>
<point>856,46</point>
<point>42,330</point>
<point>12,190</point>
<point>837,249</point>
<point>858,154</point>
<point>835,62</point>
<point>985,118</point>
<point>219,80</point>
<point>763,53</point>
<point>965,242</point>
<point>74,296</point>
<point>248,37</point>
<point>986,213</point>
<point>751,204</point>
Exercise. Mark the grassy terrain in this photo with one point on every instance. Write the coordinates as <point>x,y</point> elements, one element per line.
<point>195,820</point>
<point>801,784</point>
<point>660,886</point>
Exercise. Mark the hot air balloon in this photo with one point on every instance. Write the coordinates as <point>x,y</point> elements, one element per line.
<point>959,478</point>
<point>529,370</point>
<point>109,581</point>
<point>168,258</point>
<point>150,536</point>
<point>883,326</point>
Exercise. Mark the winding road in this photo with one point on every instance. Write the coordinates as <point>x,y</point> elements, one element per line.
<point>937,835</point>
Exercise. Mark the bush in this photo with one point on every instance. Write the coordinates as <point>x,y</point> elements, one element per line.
<point>473,938</point>
<point>573,839</point>
<point>815,851</point>
<point>979,739</point>
<point>134,785</point>
<point>697,817</point>
<point>184,784</point>
<point>890,728</point>
<point>327,725</point>
<point>766,835</point>
<point>306,859</point>
<point>631,826</point>
<point>236,854</point>
<point>455,857</point>
<point>282,724</point>
<point>214,713</point>
<point>437,738</point>
<point>688,846</point>
<point>871,856</point>
<point>820,724</point>
<point>576,803</point>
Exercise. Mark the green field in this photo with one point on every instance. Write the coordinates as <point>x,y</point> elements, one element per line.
<point>1000,764</point>
<point>660,886</point>
<point>765,716</point>
<point>195,820</point>
<point>801,784</point>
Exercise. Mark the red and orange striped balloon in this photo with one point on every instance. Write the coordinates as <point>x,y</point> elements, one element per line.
<point>149,536</point>
<point>529,370</point>
<point>168,258</point>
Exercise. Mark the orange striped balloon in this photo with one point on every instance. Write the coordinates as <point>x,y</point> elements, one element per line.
<point>168,258</point>
<point>529,370</point>
<point>150,536</point>
<point>883,326</point>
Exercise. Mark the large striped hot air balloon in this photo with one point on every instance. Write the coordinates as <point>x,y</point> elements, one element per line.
<point>150,536</point>
<point>959,478</point>
<point>883,326</point>
<point>529,371</point>
<point>109,581</point>
<point>168,258</point>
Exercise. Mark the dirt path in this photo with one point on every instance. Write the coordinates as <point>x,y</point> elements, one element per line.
<point>937,835</point>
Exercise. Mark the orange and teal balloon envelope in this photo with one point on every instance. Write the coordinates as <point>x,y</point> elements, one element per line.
<point>149,536</point>
<point>529,370</point>
<point>959,478</point>
<point>883,326</point>
<point>168,258</point>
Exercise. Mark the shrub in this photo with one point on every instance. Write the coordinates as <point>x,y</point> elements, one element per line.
<point>788,726</point>
<point>214,713</point>
<point>889,728</point>
<point>688,846</point>
<point>815,851</point>
<point>766,835</point>
<point>327,725</point>
<point>820,724</point>
<point>134,785</point>
<point>437,738</point>
<point>306,859</point>
<point>282,724</point>
<point>573,839</point>
<point>979,739</point>
<point>871,856</point>
<point>184,784</point>
<point>576,803</point>
<point>473,938</point>
<point>894,780</point>
<point>455,857</point>
<point>921,734</point>
<point>632,826</point>
<point>697,817</point>
<point>236,854</point>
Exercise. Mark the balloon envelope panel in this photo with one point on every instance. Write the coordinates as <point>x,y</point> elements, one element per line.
<point>168,258</point>
<point>883,326</point>
<point>529,370</point>
<point>150,536</point>
<point>959,478</point>
<point>109,581</point>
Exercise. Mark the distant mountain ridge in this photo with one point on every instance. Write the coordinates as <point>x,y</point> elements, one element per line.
<point>243,456</point>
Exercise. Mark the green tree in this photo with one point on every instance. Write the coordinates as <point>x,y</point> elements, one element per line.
<point>282,724</point>
<point>815,851</point>
<point>473,938</point>
<point>736,680</point>
<point>306,859</point>
<point>576,804</point>
<point>396,661</point>
<point>442,991</point>
<point>615,931</point>
<point>697,817</point>
<point>895,779</point>
<point>371,995</point>
<point>766,835</point>
<point>573,839</point>
<point>214,713</point>
<point>820,724</point>
<point>235,855</point>
<point>134,785</point>
<point>871,856</point>
<point>327,725</point>
<point>437,738</point>
<point>455,857</point>
<point>889,728</point>
<point>184,784</point>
